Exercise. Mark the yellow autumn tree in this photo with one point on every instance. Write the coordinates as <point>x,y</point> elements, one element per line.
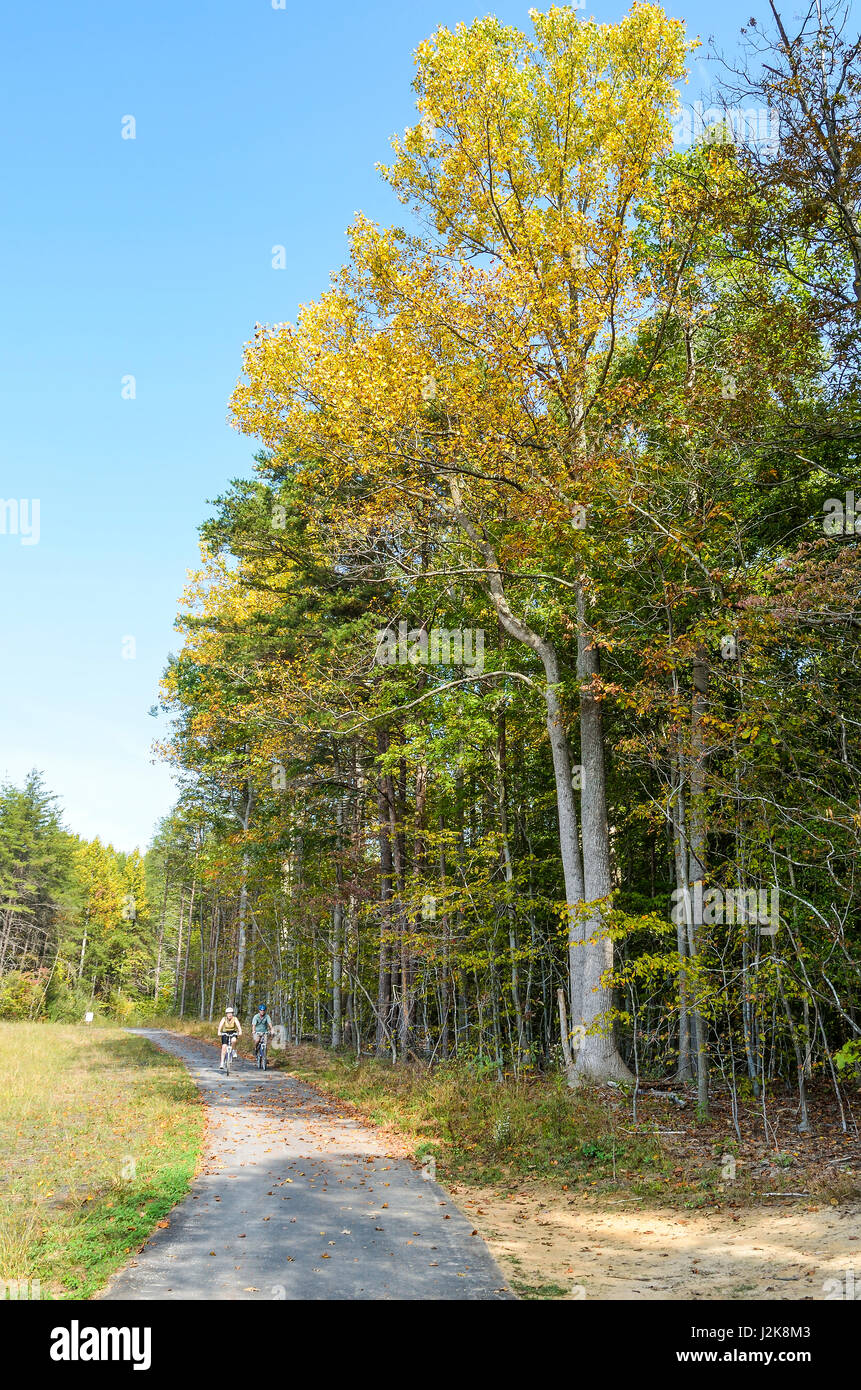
<point>469,371</point>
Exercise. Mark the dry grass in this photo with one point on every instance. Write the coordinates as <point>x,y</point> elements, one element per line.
<point>101,1134</point>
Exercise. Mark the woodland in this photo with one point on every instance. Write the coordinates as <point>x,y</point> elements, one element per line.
<point>515,706</point>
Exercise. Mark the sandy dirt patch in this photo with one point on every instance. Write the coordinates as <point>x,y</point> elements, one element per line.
<point>787,1250</point>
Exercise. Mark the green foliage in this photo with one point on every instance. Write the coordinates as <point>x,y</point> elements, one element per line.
<point>849,1055</point>
<point>605,441</point>
<point>21,994</point>
<point>76,932</point>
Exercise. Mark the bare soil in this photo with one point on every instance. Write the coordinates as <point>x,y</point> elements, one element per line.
<point>552,1247</point>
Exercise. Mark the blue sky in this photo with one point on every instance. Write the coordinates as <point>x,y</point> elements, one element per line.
<point>151,257</point>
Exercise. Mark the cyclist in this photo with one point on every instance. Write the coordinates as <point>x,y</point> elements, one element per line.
<point>261,1027</point>
<point>229,1029</point>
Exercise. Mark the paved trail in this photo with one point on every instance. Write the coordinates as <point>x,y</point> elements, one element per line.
<point>297,1200</point>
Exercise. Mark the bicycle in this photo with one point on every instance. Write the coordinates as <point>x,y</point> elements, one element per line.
<point>261,1046</point>
<point>231,1051</point>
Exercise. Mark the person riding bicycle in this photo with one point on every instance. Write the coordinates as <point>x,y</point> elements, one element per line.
<point>229,1029</point>
<point>261,1027</point>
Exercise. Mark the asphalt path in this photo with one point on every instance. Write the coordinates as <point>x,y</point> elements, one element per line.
<point>298,1200</point>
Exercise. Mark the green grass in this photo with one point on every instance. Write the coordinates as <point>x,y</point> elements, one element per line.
<point>527,1291</point>
<point>101,1136</point>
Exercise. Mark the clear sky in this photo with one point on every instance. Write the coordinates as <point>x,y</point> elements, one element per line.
<point>152,257</point>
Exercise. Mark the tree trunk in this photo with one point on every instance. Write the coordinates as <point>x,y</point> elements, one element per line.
<point>242,942</point>
<point>187,948</point>
<point>445,983</point>
<point>401,961</point>
<point>83,949</point>
<point>386,892</point>
<point>161,932</point>
<point>697,850</point>
<point>215,959</point>
<point>684,1071</point>
<point>510,909</point>
<point>178,954</point>
<point>598,1055</point>
<point>337,925</point>
<point>588,954</point>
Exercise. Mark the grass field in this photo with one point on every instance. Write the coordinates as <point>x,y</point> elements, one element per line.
<point>100,1137</point>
